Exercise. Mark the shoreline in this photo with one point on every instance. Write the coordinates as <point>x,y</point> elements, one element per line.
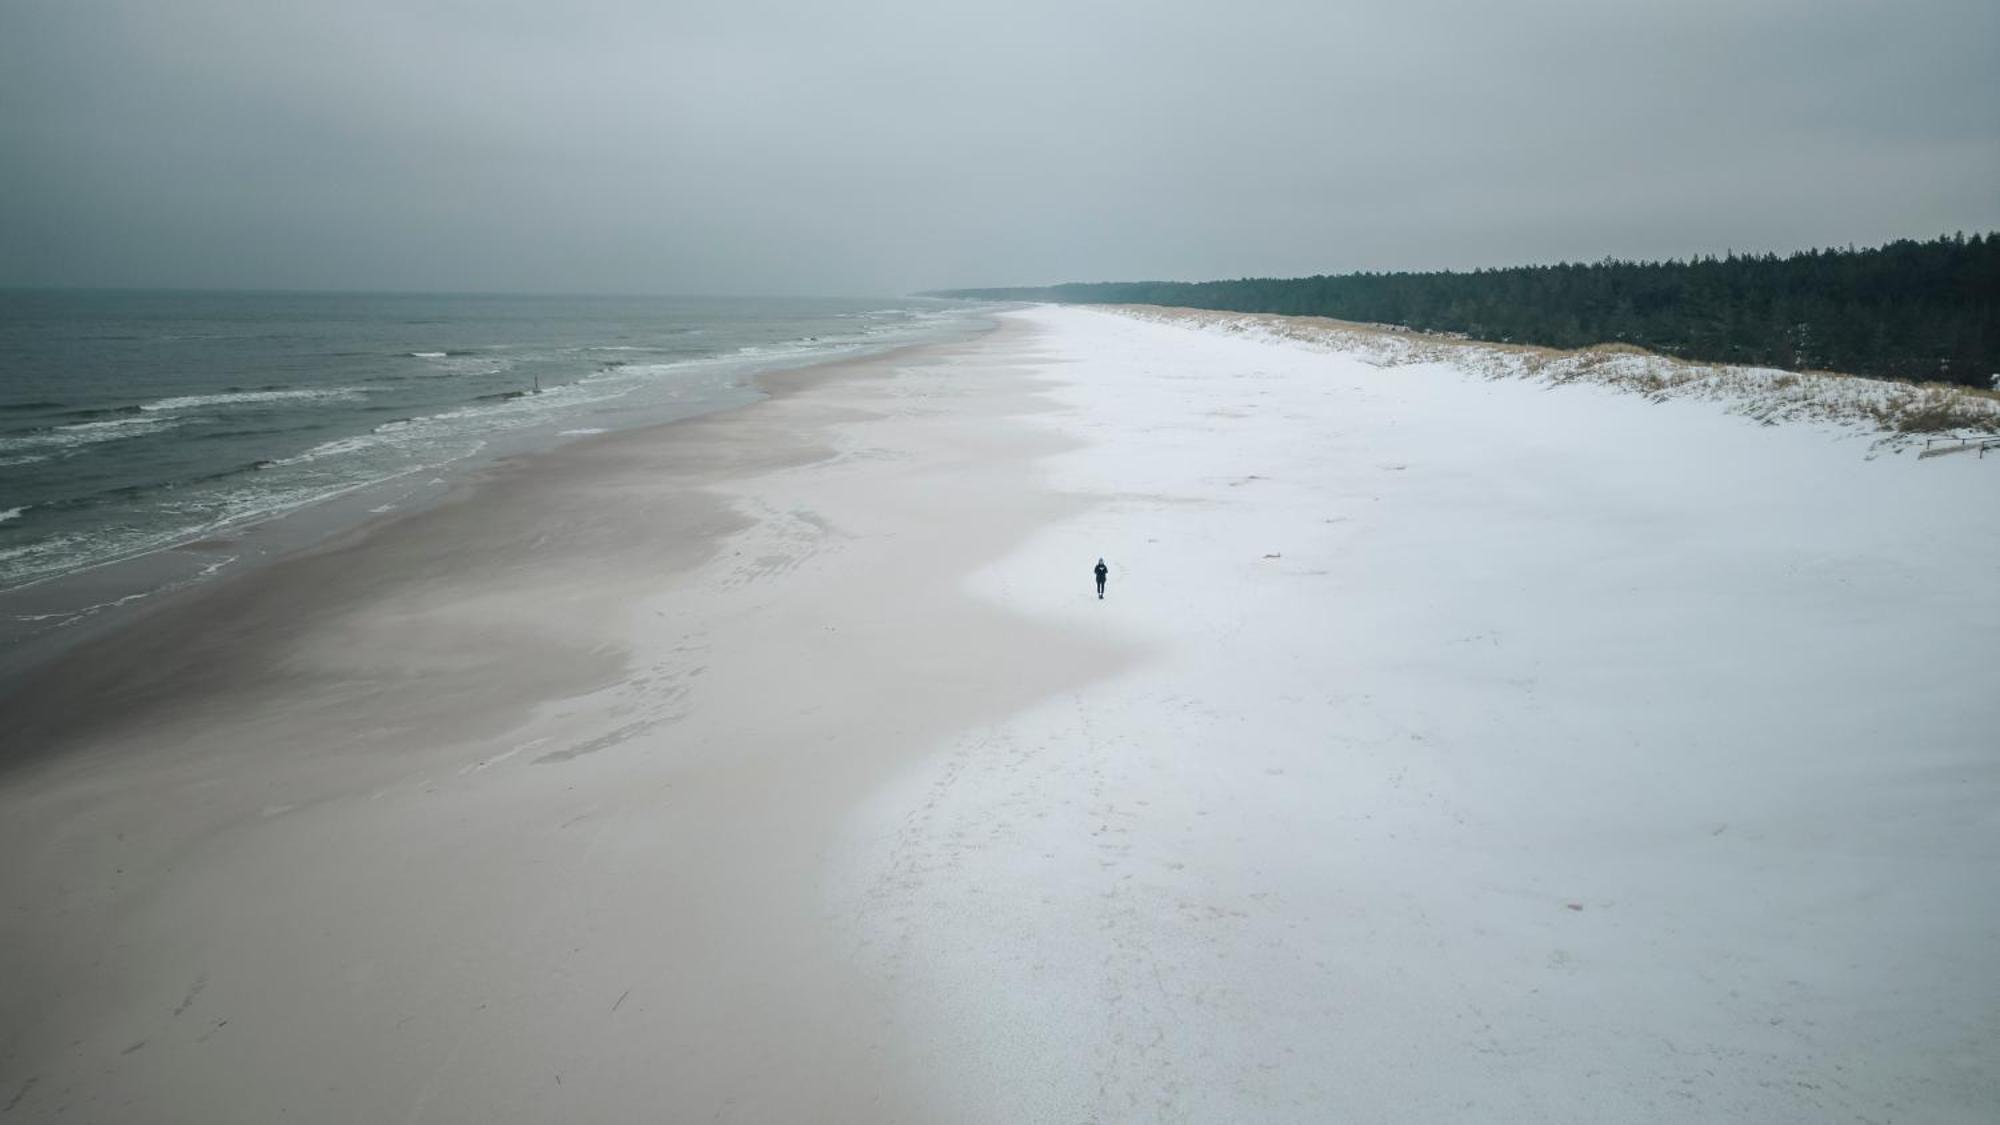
<point>84,667</point>
<point>569,715</point>
<point>103,599</point>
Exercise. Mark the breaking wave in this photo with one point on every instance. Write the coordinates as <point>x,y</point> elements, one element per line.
<point>243,398</point>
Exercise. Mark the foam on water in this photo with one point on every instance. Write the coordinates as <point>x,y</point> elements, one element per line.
<point>245,398</point>
<point>84,433</point>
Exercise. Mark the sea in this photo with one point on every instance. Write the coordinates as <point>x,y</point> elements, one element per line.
<point>150,440</point>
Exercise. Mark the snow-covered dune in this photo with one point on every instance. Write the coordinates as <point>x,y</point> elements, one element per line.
<point>1935,418</point>
<point>1509,751</point>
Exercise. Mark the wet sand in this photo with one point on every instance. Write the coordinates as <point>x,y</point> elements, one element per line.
<point>517,808</point>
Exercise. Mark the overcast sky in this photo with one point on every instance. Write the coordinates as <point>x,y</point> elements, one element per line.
<point>881,146</point>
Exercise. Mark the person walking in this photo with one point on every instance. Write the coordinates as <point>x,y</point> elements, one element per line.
<point>1102,573</point>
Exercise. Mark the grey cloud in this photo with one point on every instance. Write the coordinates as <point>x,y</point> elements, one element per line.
<point>884,146</point>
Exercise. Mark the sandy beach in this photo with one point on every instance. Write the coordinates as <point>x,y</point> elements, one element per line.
<point>1445,748</point>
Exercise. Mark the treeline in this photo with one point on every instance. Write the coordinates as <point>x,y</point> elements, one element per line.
<point>1908,310</point>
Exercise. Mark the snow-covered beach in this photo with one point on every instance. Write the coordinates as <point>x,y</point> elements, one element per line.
<point>1445,748</point>
<point>1506,752</point>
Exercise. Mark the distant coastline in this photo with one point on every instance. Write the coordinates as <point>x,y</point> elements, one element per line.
<point>1917,311</point>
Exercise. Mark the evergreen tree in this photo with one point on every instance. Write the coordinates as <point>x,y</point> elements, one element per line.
<point>1908,310</point>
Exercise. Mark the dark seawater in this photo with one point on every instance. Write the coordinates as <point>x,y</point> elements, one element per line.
<point>136,421</point>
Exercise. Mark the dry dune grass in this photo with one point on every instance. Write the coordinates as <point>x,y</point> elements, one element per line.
<point>1935,408</point>
<point>1897,413</point>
